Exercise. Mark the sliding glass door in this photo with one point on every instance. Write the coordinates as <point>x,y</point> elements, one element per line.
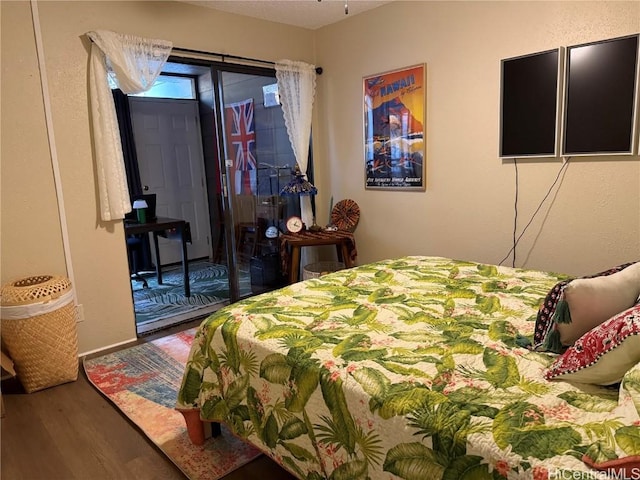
<point>248,160</point>
<point>234,207</point>
<point>258,160</point>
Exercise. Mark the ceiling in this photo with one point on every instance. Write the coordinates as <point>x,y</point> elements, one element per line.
<point>311,14</point>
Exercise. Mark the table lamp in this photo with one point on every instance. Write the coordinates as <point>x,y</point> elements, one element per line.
<point>140,206</point>
<point>300,186</point>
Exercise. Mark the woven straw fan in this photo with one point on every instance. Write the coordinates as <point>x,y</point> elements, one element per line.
<point>345,215</point>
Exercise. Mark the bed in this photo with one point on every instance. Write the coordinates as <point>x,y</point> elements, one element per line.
<point>413,368</point>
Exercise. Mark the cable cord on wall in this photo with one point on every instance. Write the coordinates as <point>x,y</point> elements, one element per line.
<point>565,163</point>
<point>515,215</point>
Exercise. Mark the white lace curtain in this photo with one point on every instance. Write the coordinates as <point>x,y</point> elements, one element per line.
<point>296,87</point>
<point>132,64</point>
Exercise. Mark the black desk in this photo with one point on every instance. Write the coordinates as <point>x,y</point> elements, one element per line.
<point>159,227</point>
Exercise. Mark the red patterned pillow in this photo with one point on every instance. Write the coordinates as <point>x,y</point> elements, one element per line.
<point>602,355</point>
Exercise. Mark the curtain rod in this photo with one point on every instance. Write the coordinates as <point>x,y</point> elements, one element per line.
<point>224,55</point>
<point>235,57</point>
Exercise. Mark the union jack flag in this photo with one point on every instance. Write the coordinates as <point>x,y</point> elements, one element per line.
<point>242,134</point>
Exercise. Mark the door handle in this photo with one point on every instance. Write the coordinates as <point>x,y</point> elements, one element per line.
<point>146,188</point>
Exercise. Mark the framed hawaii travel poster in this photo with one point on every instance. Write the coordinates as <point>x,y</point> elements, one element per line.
<point>394,129</point>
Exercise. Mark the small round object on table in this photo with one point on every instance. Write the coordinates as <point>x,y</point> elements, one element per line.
<point>271,232</point>
<point>345,215</point>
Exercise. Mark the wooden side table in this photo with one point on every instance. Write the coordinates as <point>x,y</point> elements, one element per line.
<point>291,243</point>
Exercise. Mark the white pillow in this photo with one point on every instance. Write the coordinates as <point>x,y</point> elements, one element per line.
<point>591,301</point>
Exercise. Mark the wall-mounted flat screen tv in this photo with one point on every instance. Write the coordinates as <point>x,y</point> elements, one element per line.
<point>601,82</point>
<point>529,105</point>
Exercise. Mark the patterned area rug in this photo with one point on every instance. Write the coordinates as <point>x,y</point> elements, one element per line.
<point>143,382</point>
<point>209,284</point>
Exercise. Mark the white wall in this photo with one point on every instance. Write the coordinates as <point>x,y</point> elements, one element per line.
<point>591,220</point>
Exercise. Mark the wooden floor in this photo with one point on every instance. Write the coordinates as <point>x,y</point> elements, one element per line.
<point>71,432</point>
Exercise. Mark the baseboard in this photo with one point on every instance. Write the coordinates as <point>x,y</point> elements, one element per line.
<point>108,347</point>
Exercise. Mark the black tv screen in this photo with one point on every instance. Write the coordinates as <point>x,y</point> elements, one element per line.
<point>529,105</point>
<point>600,97</point>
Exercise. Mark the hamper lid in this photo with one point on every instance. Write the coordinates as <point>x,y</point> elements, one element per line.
<point>35,289</point>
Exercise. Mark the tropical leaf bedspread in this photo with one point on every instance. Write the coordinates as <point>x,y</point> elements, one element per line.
<point>405,368</point>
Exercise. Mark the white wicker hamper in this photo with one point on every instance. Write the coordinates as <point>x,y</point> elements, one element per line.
<point>318,269</point>
<point>39,330</point>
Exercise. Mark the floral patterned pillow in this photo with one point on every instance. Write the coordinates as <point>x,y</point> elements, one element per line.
<point>602,355</point>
